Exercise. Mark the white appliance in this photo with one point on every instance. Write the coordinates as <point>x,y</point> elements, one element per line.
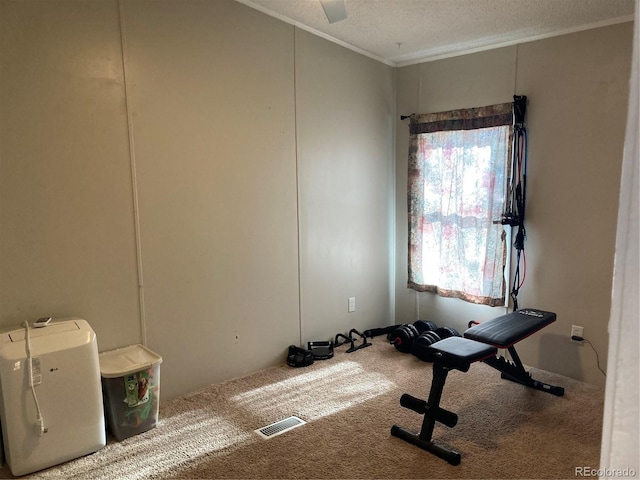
<point>59,415</point>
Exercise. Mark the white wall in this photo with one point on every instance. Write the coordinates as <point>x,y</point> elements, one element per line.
<point>214,124</point>
<point>67,244</point>
<point>620,440</point>
<point>345,109</point>
<point>577,87</point>
<point>180,118</point>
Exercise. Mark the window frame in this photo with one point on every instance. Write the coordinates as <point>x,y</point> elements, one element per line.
<point>499,115</point>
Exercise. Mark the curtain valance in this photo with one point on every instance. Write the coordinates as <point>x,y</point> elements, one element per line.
<point>463,119</point>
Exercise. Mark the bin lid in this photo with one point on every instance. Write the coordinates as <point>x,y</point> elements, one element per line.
<point>127,360</point>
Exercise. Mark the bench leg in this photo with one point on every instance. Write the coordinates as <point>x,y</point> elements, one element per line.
<point>449,455</point>
<point>432,414</point>
<point>516,372</point>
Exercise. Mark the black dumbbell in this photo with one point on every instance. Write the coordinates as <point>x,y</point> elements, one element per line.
<point>446,332</point>
<point>403,336</point>
<point>425,326</point>
<point>420,346</point>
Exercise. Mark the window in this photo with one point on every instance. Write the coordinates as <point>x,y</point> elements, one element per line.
<point>459,168</point>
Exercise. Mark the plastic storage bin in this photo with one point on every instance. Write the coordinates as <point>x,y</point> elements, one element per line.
<point>131,389</point>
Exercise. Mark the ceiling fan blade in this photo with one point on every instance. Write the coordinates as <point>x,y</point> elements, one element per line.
<point>334,10</point>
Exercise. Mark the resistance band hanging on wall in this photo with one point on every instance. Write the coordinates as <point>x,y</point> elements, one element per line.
<point>517,193</point>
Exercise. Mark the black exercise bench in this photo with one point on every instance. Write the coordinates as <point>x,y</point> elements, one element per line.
<point>480,343</point>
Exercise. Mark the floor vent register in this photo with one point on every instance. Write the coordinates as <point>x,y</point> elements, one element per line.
<point>279,427</point>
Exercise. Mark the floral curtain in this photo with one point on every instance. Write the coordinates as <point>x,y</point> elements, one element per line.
<point>459,164</point>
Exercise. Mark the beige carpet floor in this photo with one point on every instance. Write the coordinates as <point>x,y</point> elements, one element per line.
<point>350,403</point>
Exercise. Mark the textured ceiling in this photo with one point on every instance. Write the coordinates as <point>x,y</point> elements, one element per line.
<point>400,32</point>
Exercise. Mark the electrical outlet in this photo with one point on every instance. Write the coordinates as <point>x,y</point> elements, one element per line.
<point>352,304</point>
<point>576,331</point>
